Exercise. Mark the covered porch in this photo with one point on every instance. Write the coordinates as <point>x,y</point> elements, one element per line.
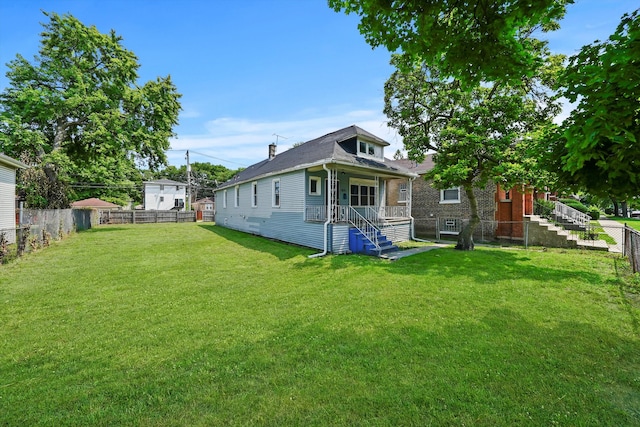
<point>355,198</point>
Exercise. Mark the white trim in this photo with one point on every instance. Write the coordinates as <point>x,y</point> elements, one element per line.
<point>224,199</point>
<point>254,194</point>
<point>273,193</point>
<point>318,181</point>
<point>450,201</point>
<point>236,197</point>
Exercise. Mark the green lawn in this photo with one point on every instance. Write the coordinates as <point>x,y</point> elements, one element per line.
<point>631,222</point>
<point>192,324</point>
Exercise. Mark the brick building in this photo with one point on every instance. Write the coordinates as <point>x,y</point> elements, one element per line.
<point>438,213</point>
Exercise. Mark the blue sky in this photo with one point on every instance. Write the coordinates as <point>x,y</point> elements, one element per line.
<point>249,69</point>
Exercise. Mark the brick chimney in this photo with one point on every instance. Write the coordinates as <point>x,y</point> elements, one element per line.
<point>272,151</point>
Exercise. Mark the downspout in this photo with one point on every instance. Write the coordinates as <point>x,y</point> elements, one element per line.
<point>326,223</point>
<point>413,223</point>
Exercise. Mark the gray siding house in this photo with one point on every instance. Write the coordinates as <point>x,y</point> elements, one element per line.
<point>8,167</point>
<point>327,194</point>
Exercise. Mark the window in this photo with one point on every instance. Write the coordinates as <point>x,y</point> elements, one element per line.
<point>162,198</point>
<point>224,199</point>
<point>276,193</point>
<point>402,193</point>
<point>177,188</point>
<point>369,149</point>
<point>450,195</point>
<point>363,193</point>
<point>237,196</point>
<point>178,203</point>
<point>161,187</point>
<point>254,194</point>
<point>314,185</point>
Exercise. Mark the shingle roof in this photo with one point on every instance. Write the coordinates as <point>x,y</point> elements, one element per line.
<point>165,182</point>
<point>325,149</point>
<point>93,202</point>
<point>419,168</point>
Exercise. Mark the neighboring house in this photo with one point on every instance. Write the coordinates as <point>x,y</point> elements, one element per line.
<point>164,195</point>
<point>442,212</point>
<point>328,193</point>
<point>8,167</point>
<point>205,204</point>
<point>95,203</point>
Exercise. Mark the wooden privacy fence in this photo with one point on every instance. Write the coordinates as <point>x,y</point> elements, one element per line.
<point>632,247</point>
<point>146,217</point>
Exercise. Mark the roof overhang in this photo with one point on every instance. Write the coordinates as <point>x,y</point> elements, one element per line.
<point>10,161</point>
<point>318,166</point>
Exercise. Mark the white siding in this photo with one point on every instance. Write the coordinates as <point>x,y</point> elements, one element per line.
<point>8,202</point>
<point>285,223</point>
<point>162,197</point>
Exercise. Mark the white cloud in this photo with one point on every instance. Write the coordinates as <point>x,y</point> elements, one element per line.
<point>237,141</point>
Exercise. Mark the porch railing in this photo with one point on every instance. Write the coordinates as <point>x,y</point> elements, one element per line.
<point>373,215</point>
<point>363,225</point>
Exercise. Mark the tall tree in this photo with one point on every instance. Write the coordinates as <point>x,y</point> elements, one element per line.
<point>599,143</point>
<point>488,133</point>
<point>472,41</point>
<point>77,108</point>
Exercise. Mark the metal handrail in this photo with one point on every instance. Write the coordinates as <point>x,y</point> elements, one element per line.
<point>369,230</point>
<point>571,214</point>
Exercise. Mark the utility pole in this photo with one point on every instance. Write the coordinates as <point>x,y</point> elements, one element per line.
<point>188,207</point>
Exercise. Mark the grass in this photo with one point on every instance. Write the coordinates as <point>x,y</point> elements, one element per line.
<point>191,324</point>
<point>631,222</point>
<point>597,229</point>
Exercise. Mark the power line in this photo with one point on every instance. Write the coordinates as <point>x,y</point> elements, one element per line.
<point>207,155</point>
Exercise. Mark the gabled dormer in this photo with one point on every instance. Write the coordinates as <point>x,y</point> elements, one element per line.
<point>364,144</point>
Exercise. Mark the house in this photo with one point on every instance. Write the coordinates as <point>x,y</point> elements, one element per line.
<point>95,203</point>
<point>438,213</point>
<point>164,195</point>
<point>328,193</point>
<point>204,204</point>
<point>8,167</point>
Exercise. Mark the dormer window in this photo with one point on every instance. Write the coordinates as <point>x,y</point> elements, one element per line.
<point>369,150</point>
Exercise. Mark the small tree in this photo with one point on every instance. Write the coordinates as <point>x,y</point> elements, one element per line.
<point>488,133</point>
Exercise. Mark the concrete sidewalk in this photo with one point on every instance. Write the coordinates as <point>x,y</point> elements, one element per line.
<point>615,230</point>
<point>393,256</point>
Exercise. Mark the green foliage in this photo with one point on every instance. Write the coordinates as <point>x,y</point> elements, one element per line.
<point>599,142</point>
<point>491,132</point>
<point>575,204</point>
<point>594,212</point>
<point>205,177</point>
<point>78,115</point>
<point>473,42</point>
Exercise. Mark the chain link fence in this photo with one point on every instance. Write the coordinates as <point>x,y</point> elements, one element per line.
<point>632,247</point>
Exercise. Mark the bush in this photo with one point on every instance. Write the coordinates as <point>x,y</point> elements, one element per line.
<point>575,205</point>
<point>594,213</point>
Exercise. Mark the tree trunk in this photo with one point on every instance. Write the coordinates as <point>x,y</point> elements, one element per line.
<point>465,238</point>
<point>625,209</point>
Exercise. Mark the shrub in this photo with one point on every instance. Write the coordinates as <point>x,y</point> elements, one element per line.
<point>575,205</point>
<point>594,213</point>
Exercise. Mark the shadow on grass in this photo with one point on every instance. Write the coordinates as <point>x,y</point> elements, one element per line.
<point>281,250</point>
<point>103,229</point>
<point>499,371</point>
<point>476,373</point>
